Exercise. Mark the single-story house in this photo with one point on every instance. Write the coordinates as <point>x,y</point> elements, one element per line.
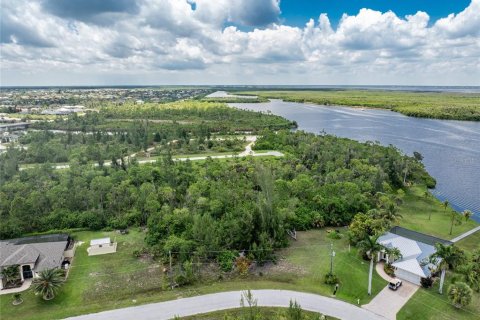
<point>415,247</point>
<point>101,246</point>
<point>35,254</point>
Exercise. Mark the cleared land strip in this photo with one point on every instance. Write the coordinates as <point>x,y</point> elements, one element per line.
<point>466,234</point>
<point>247,152</point>
<point>230,300</point>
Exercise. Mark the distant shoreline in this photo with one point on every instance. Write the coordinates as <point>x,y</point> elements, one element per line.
<point>409,88</point>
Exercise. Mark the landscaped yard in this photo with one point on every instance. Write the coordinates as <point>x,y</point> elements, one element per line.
<point>429,304</point>
<point>119,280</point>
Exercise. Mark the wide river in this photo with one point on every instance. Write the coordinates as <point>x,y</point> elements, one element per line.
<point>451,149</point>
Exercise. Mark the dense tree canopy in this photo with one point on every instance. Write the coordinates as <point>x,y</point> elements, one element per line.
<point>213,205</point>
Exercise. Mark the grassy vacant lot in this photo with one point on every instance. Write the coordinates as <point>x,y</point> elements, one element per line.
<point>120,280</point>
<point>458,106</point>
<point>417,208</point>
<point>470,243</point>
<point>265,312</point>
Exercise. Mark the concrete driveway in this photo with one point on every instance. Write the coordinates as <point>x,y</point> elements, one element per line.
<point>228,300</point>
<point>388,302</point>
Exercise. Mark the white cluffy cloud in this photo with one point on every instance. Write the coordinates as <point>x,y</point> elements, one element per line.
<point>47,42</point>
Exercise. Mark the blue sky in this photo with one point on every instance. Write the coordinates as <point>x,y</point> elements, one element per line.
<point>107,42</point>
<point>297,12</point>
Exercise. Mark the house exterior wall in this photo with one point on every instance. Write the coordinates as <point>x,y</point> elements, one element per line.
<point>102,249</point>
<point>70,253</point>
<point>407,276</point>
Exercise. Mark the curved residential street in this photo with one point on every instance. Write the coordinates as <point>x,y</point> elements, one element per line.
<point>229,300</point>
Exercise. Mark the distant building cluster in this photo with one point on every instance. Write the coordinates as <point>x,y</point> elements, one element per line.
<point>64,110</point>
<point>34,100</point>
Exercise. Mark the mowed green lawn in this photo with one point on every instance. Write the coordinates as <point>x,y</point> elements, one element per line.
<point>470,243</point>
<point>119,280</point>
<point>428,304</point>
<point>417,208</point>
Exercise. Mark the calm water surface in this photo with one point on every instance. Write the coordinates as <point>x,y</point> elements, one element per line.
<point>451,149</point>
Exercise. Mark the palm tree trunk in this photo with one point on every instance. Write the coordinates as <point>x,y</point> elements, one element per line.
<point>370,277</point>
<point>442,279</point>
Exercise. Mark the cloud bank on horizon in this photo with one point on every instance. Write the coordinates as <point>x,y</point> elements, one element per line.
<point>77,42</point>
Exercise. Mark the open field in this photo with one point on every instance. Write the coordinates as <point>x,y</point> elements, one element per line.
<point>94,281</point>
<point>458,106</point>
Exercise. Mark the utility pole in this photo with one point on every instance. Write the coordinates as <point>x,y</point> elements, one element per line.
<point>332,254</point>
<point>170,269</point>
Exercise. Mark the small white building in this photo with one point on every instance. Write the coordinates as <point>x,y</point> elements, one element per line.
<point>101,246</point>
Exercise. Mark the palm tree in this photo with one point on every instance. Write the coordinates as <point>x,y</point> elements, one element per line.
<point>471,273</point>
<point>371,247</point>
<point>391,213</point>
<point>446,257</point>
<point>48,283</point>
<point>454,219</point>
<point>395,253</point>
<point>11,274</point>
<point>426,194</point>
<point>467,214</point>
<point>445,204</point>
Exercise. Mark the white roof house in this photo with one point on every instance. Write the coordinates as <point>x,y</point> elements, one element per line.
<point>415,248</point>
<point>407,247</point>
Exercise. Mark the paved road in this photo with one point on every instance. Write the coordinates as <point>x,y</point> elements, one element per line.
<point>229,300</point>
<point>466,234</point>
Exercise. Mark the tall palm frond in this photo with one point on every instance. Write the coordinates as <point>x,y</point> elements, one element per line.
<point>48,283</point>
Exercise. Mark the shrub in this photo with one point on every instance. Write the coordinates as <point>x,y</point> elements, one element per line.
<point>388,268</point>
<point>460,294</point>
<point>335,234</point>
<point>426,282</point>
<point>330,278</point>
<point>226,260</point>
<point>186,275</point>
<point>242,264</point>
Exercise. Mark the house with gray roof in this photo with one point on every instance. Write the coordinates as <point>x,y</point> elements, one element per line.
<point>34,254</point>
<point>415,248</point>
